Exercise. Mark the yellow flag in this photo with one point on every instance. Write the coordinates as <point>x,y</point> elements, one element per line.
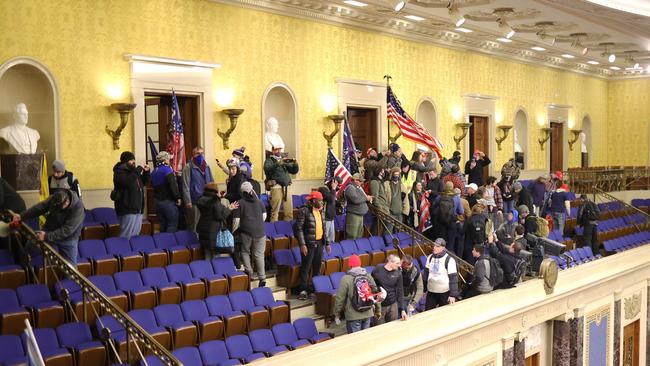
<point>45,187</point>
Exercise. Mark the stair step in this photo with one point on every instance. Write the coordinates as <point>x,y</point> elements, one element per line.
<point>271,281</point>
<point>302,308</point>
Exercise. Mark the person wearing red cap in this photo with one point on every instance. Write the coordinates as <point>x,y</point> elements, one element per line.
<point>355,280</point>
<point>310,231</point>
<point>560,207</point>
<point>474,167</point>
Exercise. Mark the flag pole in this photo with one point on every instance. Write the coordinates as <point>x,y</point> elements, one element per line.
<point>388,78</point>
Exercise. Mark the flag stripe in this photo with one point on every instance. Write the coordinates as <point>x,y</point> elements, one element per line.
<point>176,146</point>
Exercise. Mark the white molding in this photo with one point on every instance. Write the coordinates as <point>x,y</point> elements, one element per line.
<point>480,96</point>
<point>172,61</point>
<point>359,82</point>
<point>24,60</point>
<point>296,117</point>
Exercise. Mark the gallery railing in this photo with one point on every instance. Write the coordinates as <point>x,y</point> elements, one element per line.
<point>609,179</point>
<point>92,296</point>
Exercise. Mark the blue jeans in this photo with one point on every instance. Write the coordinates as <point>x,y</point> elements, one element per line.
<point>558,221</point>
<point>330,234</point>
<point>508,206</point>
<point>357,325</point>
<point>69,250</point>
<point>130,225</point>
<point>167,215</point>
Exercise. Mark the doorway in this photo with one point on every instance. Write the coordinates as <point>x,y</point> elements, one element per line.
<point>479,139</point>
<point>557,152</point>
<point>532,360</point>
<point>631,344</point>
<point>363,126</point>
<point>158,115</point>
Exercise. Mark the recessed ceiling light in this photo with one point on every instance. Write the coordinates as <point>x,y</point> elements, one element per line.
<point>456,17</point>
<point>464,30</point>
<point>505,40</point>
<point>593,62</point>
<point>614,67</point>
<point>612,57</point>
<point>398,5</point>
<point>566,55</point>
<point>636,65</point>
<point>355,3</point>
<point>414,17</point>
<point>537,48</point>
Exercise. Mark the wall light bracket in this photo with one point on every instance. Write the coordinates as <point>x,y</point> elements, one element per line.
<point>505,131</point>
<point>233,115</point>
<point>546,131</point>
<point>576,136</point>
<point>465,128</point>
<point>124,109</point>
<point>337,119</point>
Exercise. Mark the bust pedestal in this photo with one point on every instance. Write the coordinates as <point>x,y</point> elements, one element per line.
<point>22,171</point>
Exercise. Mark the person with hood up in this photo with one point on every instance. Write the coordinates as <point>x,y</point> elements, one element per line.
<point>249,219</point>
<point>166,193</point>
<point>128,194</point>
<point>213,218</point>
<point>235,180</point>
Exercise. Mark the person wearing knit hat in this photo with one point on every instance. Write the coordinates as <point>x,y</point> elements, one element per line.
<point>522,196</point>
<point>355,279</point>
<point>62,179</point>
<point>234,180</point>
<point>128,193</point>
<point>166,194</point>
<point>213,215</point>
<point>310,231</point>
<point>248,221</point>
<point>195,175</point>
<point>527,219</point>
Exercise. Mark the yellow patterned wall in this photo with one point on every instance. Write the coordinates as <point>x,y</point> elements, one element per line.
<point>82,42</point>
<point>629,122</point>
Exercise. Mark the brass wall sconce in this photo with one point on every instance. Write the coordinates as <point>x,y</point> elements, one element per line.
<point>465,127</point>
<point>123,109</point>
<point>505,130</point>
<point>547,136</point>
<point>337,119</point>
<point>576,136</point>
<point>232,114</point>
<point>392,139</point>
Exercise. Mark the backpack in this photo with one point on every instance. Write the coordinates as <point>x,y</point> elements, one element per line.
<point>542,227</point>
<point>496,272</point>
<point>362,299</point>
<point>446,209</point>
<point>590,213</point>
<point>477,229</point>
<point>517,272</point>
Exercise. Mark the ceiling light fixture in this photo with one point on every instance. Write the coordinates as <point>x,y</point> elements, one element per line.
<point>456,17</point>
<point>546,37</point>
<point>464,30</point>
<point>611,57</point>
<point>504,40</point>
<point>507,30</point>
<point>537,48</point>
<point>614,67</point>
<point>398,5</point>
<point>414,17</point>
<point>636,65</point>
<point>355,3</point>
<point>591,62</point>
<point>566,55</point>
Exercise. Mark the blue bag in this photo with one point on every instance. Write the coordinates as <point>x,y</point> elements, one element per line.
<point>225,240</point>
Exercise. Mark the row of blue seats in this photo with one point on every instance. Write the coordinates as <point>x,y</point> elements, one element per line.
<point>242,349</point>
<point>627,242</point>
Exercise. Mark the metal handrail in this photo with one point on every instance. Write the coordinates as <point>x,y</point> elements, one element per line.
<point>609,196</point>
<point>130,326</point>
<point>462,264</point>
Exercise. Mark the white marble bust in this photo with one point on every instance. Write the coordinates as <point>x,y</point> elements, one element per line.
<point>583,142</point>
<point>517,145</point>
<point>271,137</point>
<point>19,137</point>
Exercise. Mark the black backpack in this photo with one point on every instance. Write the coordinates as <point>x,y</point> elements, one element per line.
<point>362,297</point>
<point>517,272</point>
<point>446,209</point>
<point>590,213</point>
<point>496,272</point>
<point>477,229</point>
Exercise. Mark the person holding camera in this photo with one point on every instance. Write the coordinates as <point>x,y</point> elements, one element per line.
<point>277,169</point>
<point>474,167</point>
<point>329,193</point>
<point>128,193</point>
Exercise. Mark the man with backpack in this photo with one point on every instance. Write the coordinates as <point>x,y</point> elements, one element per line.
<point>513,265</point>
<point>588,215</point>
<point>440,276</point>
<point>356,297</point>
<point>389,277</point>
<point>528,220</point>
<point>446,208</point>
<point>475,230</point>
<point>487,273</point>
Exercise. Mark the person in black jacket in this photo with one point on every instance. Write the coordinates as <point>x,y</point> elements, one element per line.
<point>507,255</point>
<point>9,200</point>
<point>166,194</point>
<point>310,231</point>
<point>213,218</point>
<point>235,180</point>
<point>329,199</point>
<point>128,193</point>
<point>249,221</point>
<point>527,219</point>
<point>588,215</point>
<point>65,216</point>
<point>474,168</point>
<point>522,196</point>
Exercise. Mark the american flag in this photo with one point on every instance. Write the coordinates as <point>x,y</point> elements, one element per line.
<point>408,126</point>
<point>176,145</point>
<point>424,223</point>
<point>349,151</point>
<point>334,168</point>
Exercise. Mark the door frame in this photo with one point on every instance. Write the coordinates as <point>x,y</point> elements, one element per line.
<point>565,146</point>
<point>364,94</point>
<point>482,105</point>
<point>378,121</point>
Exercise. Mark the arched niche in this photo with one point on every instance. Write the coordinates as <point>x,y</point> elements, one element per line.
<point>25,80</point>
<point>520,137</point>
<point>425,114</point>
<point>585,141</point>
<point>279,101</point>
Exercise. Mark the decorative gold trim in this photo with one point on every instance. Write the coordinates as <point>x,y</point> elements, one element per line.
<point>487,361</point>
<point>632,306</point>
